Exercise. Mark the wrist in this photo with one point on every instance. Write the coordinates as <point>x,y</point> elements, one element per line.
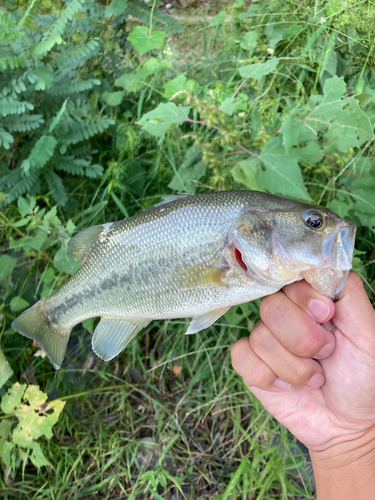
<point>346,470</point>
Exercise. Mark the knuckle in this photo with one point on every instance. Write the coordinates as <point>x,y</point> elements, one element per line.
<point>237,350</point>
<point>308,345</point>
<point>270,306</point>
<point>299,374</point>
<point>259,337</point>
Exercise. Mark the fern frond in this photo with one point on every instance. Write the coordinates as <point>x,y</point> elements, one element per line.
<point>23,186</point>
<point>141,10</point>
<point>94,170</point>
<point>68,87</point>
<point>71,165</point>
<point>24,123</point>
<point>86,129</point>
<point>71,59</point>
<point>6,139</point>
<point>53,35</point>
<point>12,62</point>
<point>10,106</point>
<point>8,29</point>
<point>56,187</point>
<point>11,179</point>
<point>42,151</point>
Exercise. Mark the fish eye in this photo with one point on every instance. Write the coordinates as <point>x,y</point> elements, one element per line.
<point>314,219</point>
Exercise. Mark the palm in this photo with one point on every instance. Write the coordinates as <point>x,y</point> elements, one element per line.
<point>322,417</point>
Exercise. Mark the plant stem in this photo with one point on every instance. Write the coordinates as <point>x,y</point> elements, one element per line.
<point>151,16</point>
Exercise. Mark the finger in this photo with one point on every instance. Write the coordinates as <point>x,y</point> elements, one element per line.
<point>295,370</point>
<point>295,329</point>
<point>354,311</point>
<point>253,370</point>
<point>318,306</point>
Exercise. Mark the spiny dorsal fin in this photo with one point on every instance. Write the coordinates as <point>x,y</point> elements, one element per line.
<point>81,242</point>
<point>173,197</point>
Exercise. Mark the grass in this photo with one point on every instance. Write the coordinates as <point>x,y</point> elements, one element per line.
<point>169,418</point>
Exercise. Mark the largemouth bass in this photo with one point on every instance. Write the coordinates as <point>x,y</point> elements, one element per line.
<point>189,256</point>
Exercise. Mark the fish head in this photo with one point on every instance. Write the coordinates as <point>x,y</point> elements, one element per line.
<point>281,245</point>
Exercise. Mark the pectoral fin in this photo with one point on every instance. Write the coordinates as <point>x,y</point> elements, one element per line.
<point>199,323</point>
<point>112,335</point>
<point>191,277</point>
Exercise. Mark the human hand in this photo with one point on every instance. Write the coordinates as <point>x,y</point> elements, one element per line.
<point>329,405</point>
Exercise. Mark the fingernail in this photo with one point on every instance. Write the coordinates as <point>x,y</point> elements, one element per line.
<point>316,381</point>
<point>319,309</point>
<point>325,351</point>
<point>282,385</point>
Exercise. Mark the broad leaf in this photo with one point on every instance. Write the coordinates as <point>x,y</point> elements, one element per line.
<point>5,371</point>
<point>113,98</point>
<point>259,70</point>
<point>141,40</point>
<point>162,118</point>
<point>282,174</point>
<point>116,8</point>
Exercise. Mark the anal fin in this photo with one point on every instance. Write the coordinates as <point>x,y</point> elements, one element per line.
<point>203,321</point>
<point>111,336</point>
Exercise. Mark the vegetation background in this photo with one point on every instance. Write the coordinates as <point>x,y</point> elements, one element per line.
<point>106,106</point>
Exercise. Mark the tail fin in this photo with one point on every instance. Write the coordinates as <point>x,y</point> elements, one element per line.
<point>33,324</point>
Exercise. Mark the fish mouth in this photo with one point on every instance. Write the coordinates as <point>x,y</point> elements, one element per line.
<point>337,253</point>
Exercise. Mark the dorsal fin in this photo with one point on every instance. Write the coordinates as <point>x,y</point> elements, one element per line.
<point>173,197</point>
<point>81,242</point>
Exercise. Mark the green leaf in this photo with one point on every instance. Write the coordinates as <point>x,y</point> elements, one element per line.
<point>45,77</point>
<point>37,241</point>
<point>259,70</point>
<point>177,84</point>
<point>152,66</point>
<point>113,98</point>
<point>158,121</point>
<point>37,457</point>
<point>363,193</point>
<point>294,132</point>
<point>5,372</point>
<point>64,262</point>
<point>56,120</point>
<point>282,174</point>
<point>40,154</point>
<point>230,105</point>
<point>12,398</point>
<point>311,153</point>
<point>249,41</point>
<point>248,172</point>
<point>18,303</point>
<point>218,19</point>
<point>130,81</point>
<point>25,207</point>
<point>5,430</point>
<point>7,265</point>
<point>142,42</point>
<point>116,8</point>
<point>350,129</point>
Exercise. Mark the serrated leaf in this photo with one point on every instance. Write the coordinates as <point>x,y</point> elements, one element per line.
<point>116,8</point>
<point>311,153</point>
<point>18,303</point>
<point>162,118</point>
<point>5,373</point>
<point>113,98</point>
<point>249,41</point>
<point>283,174</point>
<point>218,19</point>
<point>248,173</point>
<point>141,40</point>
<point>259,70</point>
<point>350,129</point>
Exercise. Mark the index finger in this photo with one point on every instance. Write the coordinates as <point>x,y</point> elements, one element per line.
<point>318,306</point>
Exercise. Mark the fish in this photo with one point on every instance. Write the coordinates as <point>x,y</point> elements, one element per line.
<point>192,255</point>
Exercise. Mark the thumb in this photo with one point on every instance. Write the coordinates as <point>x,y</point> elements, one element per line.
<point>354,313</point>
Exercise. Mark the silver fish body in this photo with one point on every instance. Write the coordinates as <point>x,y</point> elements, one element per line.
<point>190,256</point>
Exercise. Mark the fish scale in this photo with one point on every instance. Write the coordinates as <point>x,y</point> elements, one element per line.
<point>189,256</point>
